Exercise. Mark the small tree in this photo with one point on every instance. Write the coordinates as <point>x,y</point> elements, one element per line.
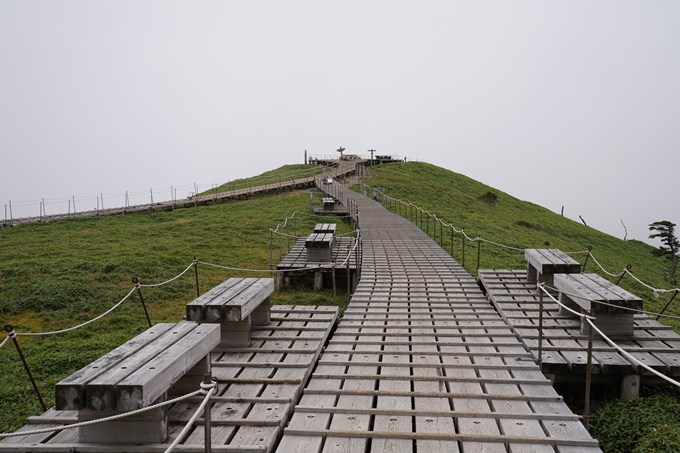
<point>665,231</point>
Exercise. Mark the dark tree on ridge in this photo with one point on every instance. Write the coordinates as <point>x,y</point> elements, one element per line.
<point>665,231</point>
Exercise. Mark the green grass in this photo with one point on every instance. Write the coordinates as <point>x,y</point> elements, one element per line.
<point>60,274</point>
<point>57,275</point>
<point>509,221</point>
<point>284,173</point>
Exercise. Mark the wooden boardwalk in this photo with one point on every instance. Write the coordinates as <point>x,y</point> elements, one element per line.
<point>565,348</point>
<point>422,362</point>
<point>344,170</point>
<point>258,387</point>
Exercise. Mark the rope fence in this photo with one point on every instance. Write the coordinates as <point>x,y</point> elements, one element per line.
<point>206,389</point>
<point>391,202</point>
<point>589,319</point>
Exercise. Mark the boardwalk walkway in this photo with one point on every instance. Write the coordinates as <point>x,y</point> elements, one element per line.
<point>421,362</point>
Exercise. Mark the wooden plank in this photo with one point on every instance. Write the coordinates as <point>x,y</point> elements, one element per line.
<point>101,392</point>
<point>155,377</point>
<point>70,392</point>
<point>246,302</point>
<point>195,309</point>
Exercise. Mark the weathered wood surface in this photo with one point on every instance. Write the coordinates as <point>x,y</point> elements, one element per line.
<point>297,257</point>
<point>233,300</point>
<point>257,388</point>
<point>120,379</point>
<point>581,292</point>
<point>326,228</point>
<point>565,347</point>
<point>422,362</point>
<point>544,264</point>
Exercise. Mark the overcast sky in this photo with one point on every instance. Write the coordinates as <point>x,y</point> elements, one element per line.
<point>573,103</point>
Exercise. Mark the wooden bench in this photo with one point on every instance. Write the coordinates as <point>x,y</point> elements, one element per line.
<point>616,321</point>
<point>236,304</point>
<point>319,247</point>
<point>542,264</point>
<point>328,204</point>
<point>164,360</point>
<point>326,228</point>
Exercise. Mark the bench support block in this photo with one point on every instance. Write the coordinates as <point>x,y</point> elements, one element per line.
<point>611,325</point>
<point>630,387</point>
<point>318,281</point>
<point>235,334</point>
<point>192,379</point>
<point>149,427</point>
<point>261,315</point>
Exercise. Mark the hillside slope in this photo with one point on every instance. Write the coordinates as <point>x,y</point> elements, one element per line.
<point>512,222</point>
<point>56,275</point>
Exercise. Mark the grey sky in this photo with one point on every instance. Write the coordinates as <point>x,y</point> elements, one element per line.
<point>558,103</point>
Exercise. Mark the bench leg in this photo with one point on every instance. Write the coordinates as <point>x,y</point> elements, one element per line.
<point>235,334</point>
<point>318,281</point>
<point>630,387</point>
<point>149,427</point>
<point>566,300</point>
<point>279,281</point>
<point>532,274</point>
<point>192,379</point>
<point>261,316</point>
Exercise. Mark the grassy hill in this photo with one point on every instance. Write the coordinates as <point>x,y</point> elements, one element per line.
<point>520,224</point>
<point>56,275</point>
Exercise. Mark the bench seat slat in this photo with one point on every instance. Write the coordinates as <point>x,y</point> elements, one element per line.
<point>153,379</point>
<point>196,308</point>
<point>245,303</point>
<point>214,309</point>
<point>70,392</point>
<point>101,392</point>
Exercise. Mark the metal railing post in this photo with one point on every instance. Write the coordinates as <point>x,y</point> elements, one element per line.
<point>585,263</point>
<point>135,280</point>
<point>10,332</point>
<point>628,267</point>
<point>668,303</point>
<point>207,432</point>
<point>540,325</point>
<point>198,292</point>
<point>586,409</point>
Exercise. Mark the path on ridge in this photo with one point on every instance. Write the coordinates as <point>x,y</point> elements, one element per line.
<point>421,362</point>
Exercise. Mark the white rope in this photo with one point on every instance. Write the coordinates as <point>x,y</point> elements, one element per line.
<point>580,315</point>
<point>651,313</point>
<point>656,290</point>
<point>631,358</point>
<point>198,412</point>
<point>603,269</point>
<point>101,420</point>
<point>33,334</point>
<point>295,269</point>
<point>501,245</point>
<point>7,338</point>
<point>168,281</point>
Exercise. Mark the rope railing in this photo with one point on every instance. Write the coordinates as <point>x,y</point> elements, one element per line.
<point>207,393</point>
<point>34,334</point>
<point>629,357</point>
<point>635,310</point>
<point>478,239</point>
<point>209,390</point>
<point>155,285</point>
